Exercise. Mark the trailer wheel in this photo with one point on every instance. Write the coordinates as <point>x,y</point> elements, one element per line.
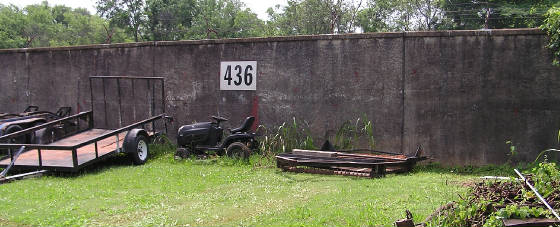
<point>14,128</point>
<point>238,150</point>
<point>136,146</point>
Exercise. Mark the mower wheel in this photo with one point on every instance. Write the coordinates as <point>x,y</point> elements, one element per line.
<point>238,150</point>
<point>183,153</point>
<point>136,146</point>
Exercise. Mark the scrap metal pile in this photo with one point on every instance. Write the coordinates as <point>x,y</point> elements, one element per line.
<point>500,195</point>
<point>514,202</point>
<point>360,162</point>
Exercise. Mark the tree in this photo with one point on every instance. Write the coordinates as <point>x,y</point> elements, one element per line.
<point>495,14</point>
<point>126,14</point>
<point>429,13</point>
<point>224,19</point>
<point>379,16</point>
<point>12,25</point>
<point>41,25</point>
<point>552,27</point>
<point>169,19</point>
<point>401,15</point>
<point>314,17</point>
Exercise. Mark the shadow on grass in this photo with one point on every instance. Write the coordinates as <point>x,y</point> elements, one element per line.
<point>313,177</point>
<point>486,170</point>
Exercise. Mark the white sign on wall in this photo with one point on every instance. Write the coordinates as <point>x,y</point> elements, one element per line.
<point>238,75</point>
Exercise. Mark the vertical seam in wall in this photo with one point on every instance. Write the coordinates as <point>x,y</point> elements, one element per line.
<point>403,64</point>
<point>154,59</point>
<point>27,88</point>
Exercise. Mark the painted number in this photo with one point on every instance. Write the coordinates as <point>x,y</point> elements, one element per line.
<point>238,75</point>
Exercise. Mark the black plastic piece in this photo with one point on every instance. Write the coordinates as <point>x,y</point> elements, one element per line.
<point>245,126</point>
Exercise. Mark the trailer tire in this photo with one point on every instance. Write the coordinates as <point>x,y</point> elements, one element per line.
<point>14,128</point>
<point>238,150</point>
<point>136,146</point>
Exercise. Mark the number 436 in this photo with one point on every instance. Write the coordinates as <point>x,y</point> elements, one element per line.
<point>241,75</point>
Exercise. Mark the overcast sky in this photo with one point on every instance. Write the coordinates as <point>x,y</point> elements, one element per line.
<point>257,6</point>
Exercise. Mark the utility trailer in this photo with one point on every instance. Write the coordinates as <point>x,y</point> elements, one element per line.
<point>87,143</point>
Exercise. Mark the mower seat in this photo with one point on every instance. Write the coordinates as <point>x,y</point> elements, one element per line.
<point>245,127</point>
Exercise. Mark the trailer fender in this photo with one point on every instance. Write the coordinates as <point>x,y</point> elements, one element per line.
<point>136,145</point>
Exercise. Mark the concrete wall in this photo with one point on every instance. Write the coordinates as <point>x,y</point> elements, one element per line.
<point>461,94</point>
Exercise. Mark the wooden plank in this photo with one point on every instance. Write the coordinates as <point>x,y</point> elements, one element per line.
<point>326,154</point>
<point>78,138</point>
<point>530,222</point>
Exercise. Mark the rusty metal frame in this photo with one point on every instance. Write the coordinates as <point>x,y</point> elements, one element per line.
<point>366,165</point>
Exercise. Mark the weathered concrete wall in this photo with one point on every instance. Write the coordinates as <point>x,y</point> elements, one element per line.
<point>467,95</point>
<point>460,94</point>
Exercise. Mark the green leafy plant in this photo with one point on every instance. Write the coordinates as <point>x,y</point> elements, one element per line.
<point>512,151</point>
<point>544,176</point>
<point>285,137</point>
<point>552,27</point>
<point>296,134</point>
<point>518,212</point>
<point>348,135</point>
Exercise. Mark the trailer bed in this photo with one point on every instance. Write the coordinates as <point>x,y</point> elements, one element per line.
<point>63,158</point>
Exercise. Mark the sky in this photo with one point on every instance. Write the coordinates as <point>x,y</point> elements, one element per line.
<point>257,6</point>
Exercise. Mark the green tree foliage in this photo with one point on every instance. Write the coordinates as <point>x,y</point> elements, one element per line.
<point>224,19</point>
<point>404,15</point>
<point>169,19</point>
<point>41,25</point>
<point>552,27</point>
<point>143,20</point>
<point>313,17</point>
<point>495,14</point>
<point>12,27</point>
<point>401,15</point>
<point>182,19</point>
<point>125,14</point>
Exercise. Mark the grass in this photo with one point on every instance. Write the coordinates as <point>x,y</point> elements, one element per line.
<point>222,192</point>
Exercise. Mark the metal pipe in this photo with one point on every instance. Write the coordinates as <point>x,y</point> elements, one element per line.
<point>91,93</point>
<point>537,193</point>
<point>96,150</point>
<point>153,109</point>
<point>74,158</point>
<point>104,103</point>
<point>128,77</point>
<point>13,161</point>
<point>120,105</point>
<point>118,148</point>
<point>40,158</point>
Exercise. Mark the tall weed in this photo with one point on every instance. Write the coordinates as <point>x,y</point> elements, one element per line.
<point>297,134</point>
